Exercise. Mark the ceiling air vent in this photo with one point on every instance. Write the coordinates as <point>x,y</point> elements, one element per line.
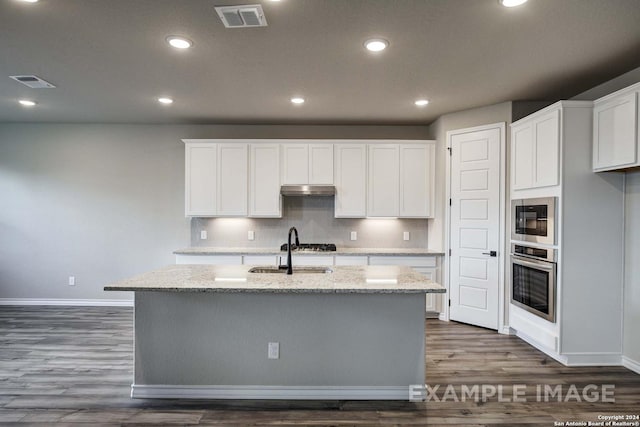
<point>34,82</point>
<point>244,16</point>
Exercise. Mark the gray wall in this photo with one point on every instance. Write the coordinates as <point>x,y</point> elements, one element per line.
<point>102,202</point>
<point>314,219</point>
<point>631,346</point>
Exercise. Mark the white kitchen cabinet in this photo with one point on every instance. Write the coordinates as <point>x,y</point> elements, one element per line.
<point>232,179</point>
<point>215,178</point>
<point>417,166</point>
<point>351,260</point>
<point>260,260</point>
<point>615,130</point>
<point>307,163</point>
<point>383,180</point>
<point>350,180</point>
<point>209,259</point>
<point>535,161</point>
<point>264,181</point>
<point>200,179</point>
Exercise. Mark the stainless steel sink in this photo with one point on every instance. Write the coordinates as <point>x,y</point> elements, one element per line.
<point>298,270</point>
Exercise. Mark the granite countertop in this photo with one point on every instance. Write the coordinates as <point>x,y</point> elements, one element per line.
<point>339,251</point>
<point>236,278</point>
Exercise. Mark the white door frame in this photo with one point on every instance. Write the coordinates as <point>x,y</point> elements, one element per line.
<point>503,328</point>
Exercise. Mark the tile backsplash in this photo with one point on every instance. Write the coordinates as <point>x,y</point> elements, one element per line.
<point>313,217</point>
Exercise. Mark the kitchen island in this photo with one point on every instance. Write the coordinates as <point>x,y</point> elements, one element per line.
<point>203,331</point>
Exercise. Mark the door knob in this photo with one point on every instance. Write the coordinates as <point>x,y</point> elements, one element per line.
<point>490,253</point>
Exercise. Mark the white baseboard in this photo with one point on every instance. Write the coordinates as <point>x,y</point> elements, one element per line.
<point>593,359</point>
<point>506,330</point>
<point>432,315</point>
<point>68,302</point>
<point>549,352</point>
<point>443,317</point>
<point>261,392</point>
<point>631,364</point>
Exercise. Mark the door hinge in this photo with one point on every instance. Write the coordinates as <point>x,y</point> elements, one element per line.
<point>449,303</point>
<point>450,202</point>
<point>450,151</point>
<point>449,252</point>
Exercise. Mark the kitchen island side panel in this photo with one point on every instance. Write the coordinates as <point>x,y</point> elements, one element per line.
<point>184,338</point>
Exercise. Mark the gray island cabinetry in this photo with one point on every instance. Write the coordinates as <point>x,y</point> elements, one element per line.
<point>222,332</point>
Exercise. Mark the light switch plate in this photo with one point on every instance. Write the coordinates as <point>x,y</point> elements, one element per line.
<point>354,235</point>
<point>72,280</point>
<point>405,235</point>
<point>203,235</point>
<point>251,235</point>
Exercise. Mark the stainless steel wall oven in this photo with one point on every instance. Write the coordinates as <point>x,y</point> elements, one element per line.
<point>533,280</point>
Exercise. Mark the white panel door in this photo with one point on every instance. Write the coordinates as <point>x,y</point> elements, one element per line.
<point>383,181</point>
<point>547,150</point>
<point>264,181</point>
<point>522,146</point>
<point>615,127</point>
<point>351,180</point>
<point>321,164</point>
<point>200,179</point>
<point>416,179</point>
<point>475,229</point>
<point>295,164</point>
<point>232,179</point>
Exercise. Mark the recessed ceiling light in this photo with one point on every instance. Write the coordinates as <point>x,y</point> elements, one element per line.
<point>165,100</point>
<point>376,45</point>
<point>26,103</point>
<point>512,3</point>
<point>179,42</point>
<point>29,1</point>
<point>422,102</point>
<point>297,100</point>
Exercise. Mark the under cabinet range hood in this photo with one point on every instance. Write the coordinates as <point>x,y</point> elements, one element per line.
<point>308,190</point>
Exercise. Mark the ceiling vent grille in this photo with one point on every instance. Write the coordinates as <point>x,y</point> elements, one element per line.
<point>34,82</point>
<point>243,16</point>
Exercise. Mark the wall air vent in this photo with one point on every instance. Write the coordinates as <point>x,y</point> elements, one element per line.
<point>34,82</point>
<point>243,16</point>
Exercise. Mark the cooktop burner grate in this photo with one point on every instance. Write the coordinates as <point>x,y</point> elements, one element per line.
<point>310,247</point>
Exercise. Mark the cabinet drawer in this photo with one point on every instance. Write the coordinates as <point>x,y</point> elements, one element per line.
<point>411,261</point>
<point>310,260</point>
<point>209,259</point>
<point>352,260</point>
<point>260,260</point>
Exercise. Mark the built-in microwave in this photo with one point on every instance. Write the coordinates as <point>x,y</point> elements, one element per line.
<point>533,220</point>
<point>533,280</point>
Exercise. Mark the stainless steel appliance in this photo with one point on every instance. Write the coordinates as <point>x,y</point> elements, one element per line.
<point>534,220</point>
<point>533,280</point>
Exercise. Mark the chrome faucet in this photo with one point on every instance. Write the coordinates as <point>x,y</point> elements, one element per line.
<point>289,263</point>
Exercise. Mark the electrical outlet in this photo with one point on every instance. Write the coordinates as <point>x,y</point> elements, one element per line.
<point>72,280</point>
<point>405,235</point>
<point>273,350</point>
<point>203,235</point>
<point>354,235</point>
<point>251,235</point>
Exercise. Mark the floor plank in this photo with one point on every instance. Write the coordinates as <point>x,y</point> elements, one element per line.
<point>73,366</point>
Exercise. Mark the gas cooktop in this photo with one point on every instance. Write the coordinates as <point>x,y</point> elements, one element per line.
<point>310,247</point>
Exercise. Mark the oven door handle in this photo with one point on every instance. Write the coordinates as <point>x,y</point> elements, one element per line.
<point>543,265</point>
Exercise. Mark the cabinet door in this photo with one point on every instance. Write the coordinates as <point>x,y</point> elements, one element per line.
<point>321,164</point>
<point>615,127</point>
<point>351,180</point>
<point>547,149</point>
<point>383,181</point>
<point>200,179</point>
<point>295,164</point>
<point>416,180</point>
<point>522,150</point>
<point>264,181</point>
<point>232,180</point>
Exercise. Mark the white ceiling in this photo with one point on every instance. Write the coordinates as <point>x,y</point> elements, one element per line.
<point>109,59</point>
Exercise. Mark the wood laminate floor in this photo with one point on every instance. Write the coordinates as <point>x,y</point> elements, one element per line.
<point>73,366</point>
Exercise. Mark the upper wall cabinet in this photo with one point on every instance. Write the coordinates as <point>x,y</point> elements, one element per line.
<point>535,150</point>
<point>215,179</point>
<point>264,181</point>
<point>350,168</point>
<point>615,130</point>
<point>401,180</point>
<point>307,164</point>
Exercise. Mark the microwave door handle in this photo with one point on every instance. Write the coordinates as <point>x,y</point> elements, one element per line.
<point>539,265</point>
